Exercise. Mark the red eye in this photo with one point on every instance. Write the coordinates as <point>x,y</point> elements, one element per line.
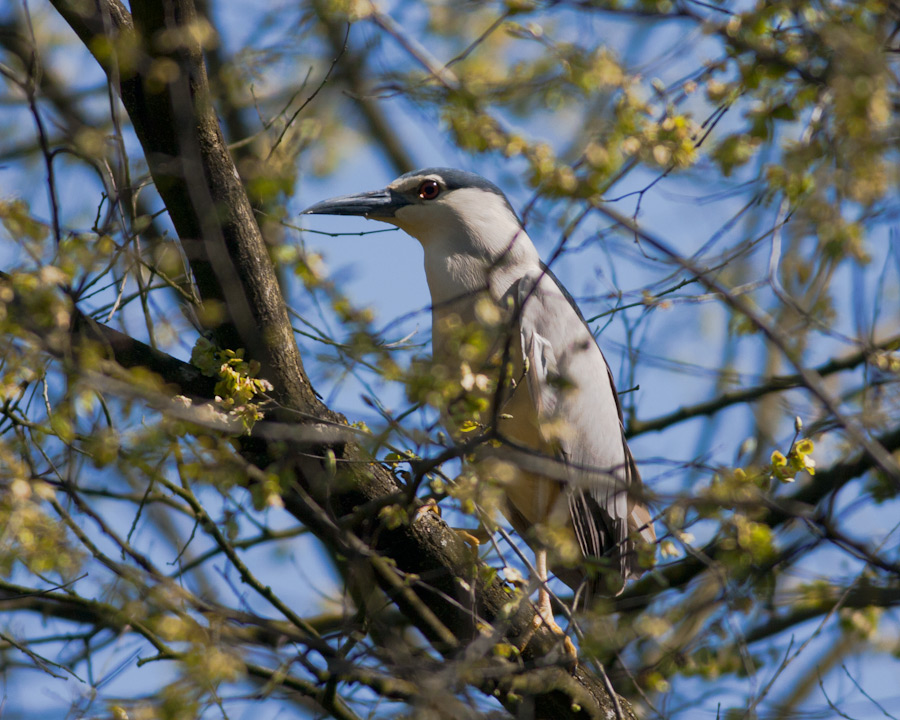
<point>429,190</point>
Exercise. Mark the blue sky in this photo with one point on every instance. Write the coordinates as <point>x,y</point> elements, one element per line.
<point>384,272</point>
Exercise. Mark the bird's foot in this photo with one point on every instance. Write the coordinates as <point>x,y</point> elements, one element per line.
<point>473,537</point>
<point>469,539</point>
<point>545,617</point>
<point>544,614</point>
<point>430,505</point>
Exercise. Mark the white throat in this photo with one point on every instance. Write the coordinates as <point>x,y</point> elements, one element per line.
<point>472,242</point>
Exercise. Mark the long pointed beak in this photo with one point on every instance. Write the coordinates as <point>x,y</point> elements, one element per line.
<point>376,204</point>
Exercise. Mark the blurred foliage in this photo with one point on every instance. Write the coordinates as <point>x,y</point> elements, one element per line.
<point>128,521</point>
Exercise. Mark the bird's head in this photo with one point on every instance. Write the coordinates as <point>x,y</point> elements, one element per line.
<point>437,206</point>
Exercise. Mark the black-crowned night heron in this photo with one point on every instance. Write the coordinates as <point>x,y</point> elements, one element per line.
<point>560,419</point>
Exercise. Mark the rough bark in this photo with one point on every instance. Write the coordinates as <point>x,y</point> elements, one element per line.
<point>197,180</point>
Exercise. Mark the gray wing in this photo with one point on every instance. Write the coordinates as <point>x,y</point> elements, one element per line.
<point>579,415</point>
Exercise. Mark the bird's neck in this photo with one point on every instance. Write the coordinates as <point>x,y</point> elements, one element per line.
<point>459,274</point>
<point>460,268</point>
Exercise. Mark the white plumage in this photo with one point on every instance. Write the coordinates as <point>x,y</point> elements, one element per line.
<point>560,417</point>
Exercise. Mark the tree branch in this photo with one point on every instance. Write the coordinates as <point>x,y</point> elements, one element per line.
<point>772,385</point>
<point>196,178</point>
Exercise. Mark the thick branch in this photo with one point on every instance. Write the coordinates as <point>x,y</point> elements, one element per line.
<point>196,178</point>
<point>428,559</point>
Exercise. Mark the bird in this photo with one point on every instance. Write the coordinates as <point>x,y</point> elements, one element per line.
<point>559,419</point>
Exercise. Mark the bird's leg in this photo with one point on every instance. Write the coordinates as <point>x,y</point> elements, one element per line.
<point>545,609</point>
<point>544,615</point>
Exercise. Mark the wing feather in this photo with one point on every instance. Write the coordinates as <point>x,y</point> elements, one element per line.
<point>580,417</point>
